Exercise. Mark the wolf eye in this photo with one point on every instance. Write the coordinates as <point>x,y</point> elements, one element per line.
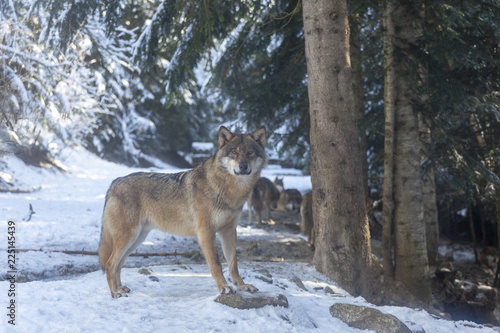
<point>234,151</point>
<point>250,152</point>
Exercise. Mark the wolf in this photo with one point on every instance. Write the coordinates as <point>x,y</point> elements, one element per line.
<point>307,222</point>
<point>202,202</point>
<point>264,195</point>
<point>278,182</point>
<point>289,200</point>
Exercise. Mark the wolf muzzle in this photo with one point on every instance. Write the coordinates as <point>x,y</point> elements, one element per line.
<point>243,169</point>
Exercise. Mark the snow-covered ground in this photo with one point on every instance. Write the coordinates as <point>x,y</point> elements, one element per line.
<point>69,293</point>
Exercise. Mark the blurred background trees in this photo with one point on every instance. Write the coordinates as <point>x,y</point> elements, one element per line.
<point>135,80</point>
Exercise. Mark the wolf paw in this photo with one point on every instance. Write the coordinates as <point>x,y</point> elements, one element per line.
<point>225,289</point>
<point>247,287</point>
<point>124,289</point>
<point>118,294</point>
<point>121,292</point>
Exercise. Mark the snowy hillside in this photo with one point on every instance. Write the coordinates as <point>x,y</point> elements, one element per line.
<point>69,293</point>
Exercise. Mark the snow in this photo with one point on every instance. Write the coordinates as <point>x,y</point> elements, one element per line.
<point>70,294</point>
<point>292,178</point>
<point>203,146</point>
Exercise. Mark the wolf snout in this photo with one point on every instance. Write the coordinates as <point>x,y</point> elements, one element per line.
<point>244,169</point>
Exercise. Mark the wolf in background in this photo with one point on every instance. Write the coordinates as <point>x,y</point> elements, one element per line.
<point>306,219</point>
<point>290,199</point>
<point>264,195</point>
<point>202,202</point>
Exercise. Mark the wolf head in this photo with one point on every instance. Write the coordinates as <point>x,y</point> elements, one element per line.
<point>242,154</point>
<point>279,184</point>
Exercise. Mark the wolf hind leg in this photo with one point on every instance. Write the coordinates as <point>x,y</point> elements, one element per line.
<point>112,267</point>
<point>141,236</point>
<point>268,209</point>
<point>258,210</point>
<point>124,242</point>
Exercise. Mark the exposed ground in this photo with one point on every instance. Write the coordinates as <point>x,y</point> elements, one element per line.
<point>291,247</point>
<point>445,304</point>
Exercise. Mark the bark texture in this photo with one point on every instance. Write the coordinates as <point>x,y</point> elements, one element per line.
<point>411,263</point>
<point>389,111</point>
<point>358,93</point>
<point>429,195</point>
<point>343,242</point>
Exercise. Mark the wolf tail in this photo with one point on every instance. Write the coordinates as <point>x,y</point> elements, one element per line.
<point>105,245</point>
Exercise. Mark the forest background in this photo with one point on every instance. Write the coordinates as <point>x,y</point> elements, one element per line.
<point>130,80</point>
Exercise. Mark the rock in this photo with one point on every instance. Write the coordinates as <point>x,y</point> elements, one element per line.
<point>298,282</point>
<point>154,278</point>
<point>365,318</point>
<point>4,186</point>
<point>246,300</point>
<point>329,290</point>
<point>265,279</point>
<point>488,257</point>
<point>266,276</point>
<point>463,298</point>
<point>145,271</point>
<point>470,301</point>
<point>265,272</point>
<point>445,271</point>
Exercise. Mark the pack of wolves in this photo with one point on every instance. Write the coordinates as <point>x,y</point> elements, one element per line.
<point>203,202</point>
<point>273,196</point>
<point>265,195</point>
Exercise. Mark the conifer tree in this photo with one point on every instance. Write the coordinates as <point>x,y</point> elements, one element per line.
<point>342,237</point>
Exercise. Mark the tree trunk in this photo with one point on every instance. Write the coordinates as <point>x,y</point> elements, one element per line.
<point>358,92</point>
<point>472,230</point>
<point>429,196</point>
<point>496,169</point>
<point>411,262</point>
<point>484,240</point>
<point>497,213</point>
<point>343,242</point>
<point>389,110</point>
<point>430,214</point>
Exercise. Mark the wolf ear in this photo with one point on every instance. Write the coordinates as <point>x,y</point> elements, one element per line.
<point>260,136</point>
<point>224,136</point>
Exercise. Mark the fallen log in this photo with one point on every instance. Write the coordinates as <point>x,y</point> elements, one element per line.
<point>4,189</point>
<point>95,253</point>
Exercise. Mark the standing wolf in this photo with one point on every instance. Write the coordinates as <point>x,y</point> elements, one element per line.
<point>290,199</point>
<point>264,195</point>
<point>202,202</point>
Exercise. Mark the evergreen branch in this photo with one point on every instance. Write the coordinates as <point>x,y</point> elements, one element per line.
<point>29,57</point>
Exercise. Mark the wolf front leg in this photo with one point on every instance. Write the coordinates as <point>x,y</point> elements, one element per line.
<point>228,239</point>
<point>206,237</point>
